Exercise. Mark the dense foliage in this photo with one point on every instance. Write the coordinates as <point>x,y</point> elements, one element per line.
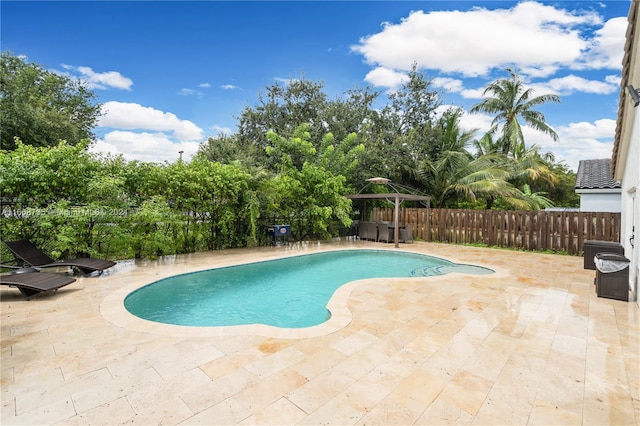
<point>295,156</point>
<point>42,107</point>
<point>73,202</point>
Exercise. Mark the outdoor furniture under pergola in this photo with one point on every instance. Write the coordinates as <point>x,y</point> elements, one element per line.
<point>397,196</point>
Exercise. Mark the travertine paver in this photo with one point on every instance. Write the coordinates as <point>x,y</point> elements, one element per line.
<point>531,344</point>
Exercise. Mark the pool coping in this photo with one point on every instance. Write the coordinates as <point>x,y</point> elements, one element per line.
<point>112,307</point>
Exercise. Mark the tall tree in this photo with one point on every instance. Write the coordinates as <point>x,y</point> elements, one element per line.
<point>41,108</point>
<point>229,149</point>
<point>306,194</point>
<point>350,113</point>
<point>282,109</point>
<point>407,129</point>
<point>415,102</point>
<point>510,101</point>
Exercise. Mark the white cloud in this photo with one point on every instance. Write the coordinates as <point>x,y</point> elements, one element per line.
<point>385,77</point>
<point>572,83</point>
<point>132,116</point>
<point>204,85</point>
<point>472,93</point>
<point>578,141</point>
<point>535,38</point>
<point>537,70</point>
<point>189,92</point>
<point>146,134</point>
<point>229,87</point>
<point>144,146</point>
<point>604,128</point>
<point>613,79</point>
<point>453,85</point>
<point>481,122</point>
<point>221,130</point>
<point>606,50</point>
<point>448,84</point>
<point>104,80</point>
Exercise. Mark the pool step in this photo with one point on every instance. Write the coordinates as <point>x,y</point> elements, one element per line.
<point>426,271</point>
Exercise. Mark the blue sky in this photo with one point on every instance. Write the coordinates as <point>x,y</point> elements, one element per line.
<point>172,74</point>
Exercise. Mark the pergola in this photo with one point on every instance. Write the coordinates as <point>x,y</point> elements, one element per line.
<point>397,196</point>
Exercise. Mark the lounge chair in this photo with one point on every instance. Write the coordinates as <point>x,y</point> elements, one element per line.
<point>29,254</point>
<point>34,283</point>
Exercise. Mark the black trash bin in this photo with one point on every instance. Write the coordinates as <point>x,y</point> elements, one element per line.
<point>612,276</point>
<point>593,247</point>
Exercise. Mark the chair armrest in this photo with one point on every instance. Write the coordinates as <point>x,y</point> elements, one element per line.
<point>10,266</point>
<point>19,269</point>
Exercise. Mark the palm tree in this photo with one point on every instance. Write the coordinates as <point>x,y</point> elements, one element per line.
<point>510,101</point>
<point>454,174</point>
<point>530,166</point>
<point>537,200</point>
<point>486,145</point>
<point>455,177</point>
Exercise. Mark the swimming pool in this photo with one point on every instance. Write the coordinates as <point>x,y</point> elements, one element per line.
<point>292,292</point>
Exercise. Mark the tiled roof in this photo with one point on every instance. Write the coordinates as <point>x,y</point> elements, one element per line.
<point>595,174</point>
<point>632,20</point>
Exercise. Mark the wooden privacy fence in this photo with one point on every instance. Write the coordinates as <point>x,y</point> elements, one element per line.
<point>564,231</point>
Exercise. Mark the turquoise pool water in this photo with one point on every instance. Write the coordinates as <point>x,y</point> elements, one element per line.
<point>291,292</point>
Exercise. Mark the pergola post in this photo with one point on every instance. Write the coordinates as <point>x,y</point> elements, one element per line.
<point>396,227</point>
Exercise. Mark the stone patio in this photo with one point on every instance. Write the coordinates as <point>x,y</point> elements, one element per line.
<point>531,344</point>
